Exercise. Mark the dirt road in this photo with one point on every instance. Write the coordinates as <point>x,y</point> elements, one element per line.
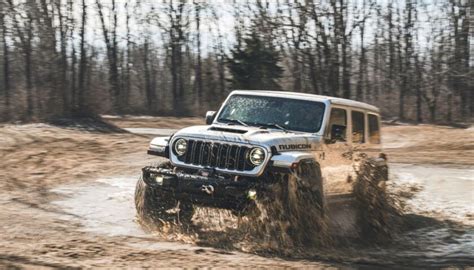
<point>66,201</point>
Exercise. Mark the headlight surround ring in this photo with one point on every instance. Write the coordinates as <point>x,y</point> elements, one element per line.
<point>256,156</point>
<point>180,147</point>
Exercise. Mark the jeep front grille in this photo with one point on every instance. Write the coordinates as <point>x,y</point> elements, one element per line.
<point>217,155</point>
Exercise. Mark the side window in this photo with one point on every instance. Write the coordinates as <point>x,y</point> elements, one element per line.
<point>337,125</point>
<point>358,123</point>
<point>374,129</point>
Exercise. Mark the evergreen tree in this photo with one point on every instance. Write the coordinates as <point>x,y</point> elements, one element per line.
<point>254,65</point>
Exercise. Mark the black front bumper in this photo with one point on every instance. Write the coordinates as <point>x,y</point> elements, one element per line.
<point>213,191</point>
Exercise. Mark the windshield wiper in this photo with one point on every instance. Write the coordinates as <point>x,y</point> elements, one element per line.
<point>273,125</point>
<point>237,121</point>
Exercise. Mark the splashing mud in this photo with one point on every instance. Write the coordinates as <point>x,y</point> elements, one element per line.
<point>435,230</point>
<point>291,213</point>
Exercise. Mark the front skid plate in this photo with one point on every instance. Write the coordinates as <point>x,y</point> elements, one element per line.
<point>211,191</point>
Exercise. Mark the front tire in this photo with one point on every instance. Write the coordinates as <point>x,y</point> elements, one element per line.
<point>156,207</point>
<point>377,211</point>
<point>291,211</point>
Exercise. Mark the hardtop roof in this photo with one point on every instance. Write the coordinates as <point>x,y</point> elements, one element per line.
<point>332,100</point>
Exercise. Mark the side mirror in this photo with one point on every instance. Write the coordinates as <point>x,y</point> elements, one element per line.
<point>338,133</point>
<point>210,115</point>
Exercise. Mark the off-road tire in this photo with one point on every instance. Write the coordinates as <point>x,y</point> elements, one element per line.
<point>153,205</point>
<point>309,172</point>
<point>377,211</point>
<point>291,211</point>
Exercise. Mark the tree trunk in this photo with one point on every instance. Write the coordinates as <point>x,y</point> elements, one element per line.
<point>220,58</point>
<point>82,63</point>
<point>112,56</point>
<point>346,60</point>
<point>150,94</point>
<point>28,78</point>
<point>198,71</point>
<point>6,65</point>
<point>63,65</point>
<point>391,43</point>
<point>449,115</point>
<point>362,61</point>
<point>432,108</point>
<point>334,72</point>
<point>408,57</point>
<point>127,86</point>
<point>418,86</point>
<point>313,73</point>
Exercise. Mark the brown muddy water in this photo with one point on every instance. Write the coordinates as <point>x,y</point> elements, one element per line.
<point>437,230</point>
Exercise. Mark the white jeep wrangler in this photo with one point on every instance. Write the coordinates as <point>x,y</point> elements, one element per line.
<point>307,151</point>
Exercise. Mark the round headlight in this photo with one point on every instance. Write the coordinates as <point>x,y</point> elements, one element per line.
<point>256,156</point>
<point>180,147</point>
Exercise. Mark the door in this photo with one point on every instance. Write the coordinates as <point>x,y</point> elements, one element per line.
<point>337,162</point>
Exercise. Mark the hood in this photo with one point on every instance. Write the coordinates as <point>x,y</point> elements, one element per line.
<point>283,141</point>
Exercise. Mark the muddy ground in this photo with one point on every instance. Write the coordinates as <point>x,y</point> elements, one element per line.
<point>67,201</point>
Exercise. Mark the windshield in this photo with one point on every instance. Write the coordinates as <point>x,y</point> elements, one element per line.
<point>273,112</point>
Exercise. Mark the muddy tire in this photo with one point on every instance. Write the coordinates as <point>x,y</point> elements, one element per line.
<point>377,211</point>
<point>311,178</point>
<point>156,207</point>
<point>291,211</point>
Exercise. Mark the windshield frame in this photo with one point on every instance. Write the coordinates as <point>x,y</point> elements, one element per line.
<point>323,105</point>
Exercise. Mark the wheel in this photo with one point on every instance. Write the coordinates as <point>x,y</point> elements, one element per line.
<point>377,212</point>
<point>309,173</point>
<point>291,210</point>
<point>156,207</point>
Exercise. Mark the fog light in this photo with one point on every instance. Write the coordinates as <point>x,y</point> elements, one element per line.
<point>252,194</point>
<point>159,179</point>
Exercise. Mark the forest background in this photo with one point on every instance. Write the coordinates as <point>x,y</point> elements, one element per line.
<point>64,58</point>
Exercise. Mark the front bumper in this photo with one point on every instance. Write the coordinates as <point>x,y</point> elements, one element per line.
<point>213,191</point>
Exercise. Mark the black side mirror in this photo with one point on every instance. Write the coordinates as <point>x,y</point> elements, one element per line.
<point>210,115</point>
<point>338,133</point>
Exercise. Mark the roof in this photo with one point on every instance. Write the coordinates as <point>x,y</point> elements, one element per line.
<point>298,95</point>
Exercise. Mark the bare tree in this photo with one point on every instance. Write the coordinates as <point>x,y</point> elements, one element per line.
<point>110,39</point>
<point>127,78</point>
<point>198,68</point>
<point>24,30</point>
<point>459,64</point>
<point>6,59</point>
<point>172,56</point>
<point>81,89</point>
<point>408,57</point>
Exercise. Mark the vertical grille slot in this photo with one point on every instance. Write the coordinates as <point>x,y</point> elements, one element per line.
<point>231,157</point>
<point>189,155</point>
<point>223,156</point>
<point>198,153</point>
<point>213,155</point>
<point>206,153</point>
<point>242,158</point>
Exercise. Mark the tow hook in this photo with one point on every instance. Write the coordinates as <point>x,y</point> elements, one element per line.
<point>209,189</point>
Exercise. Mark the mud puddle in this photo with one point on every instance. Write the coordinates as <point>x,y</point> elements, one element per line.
<point>104,206</point>
<point>441,192</point>
<point>439,213</point>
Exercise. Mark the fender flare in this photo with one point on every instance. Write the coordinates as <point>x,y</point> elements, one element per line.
<point>287,159</point>
<point>159,146</point>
